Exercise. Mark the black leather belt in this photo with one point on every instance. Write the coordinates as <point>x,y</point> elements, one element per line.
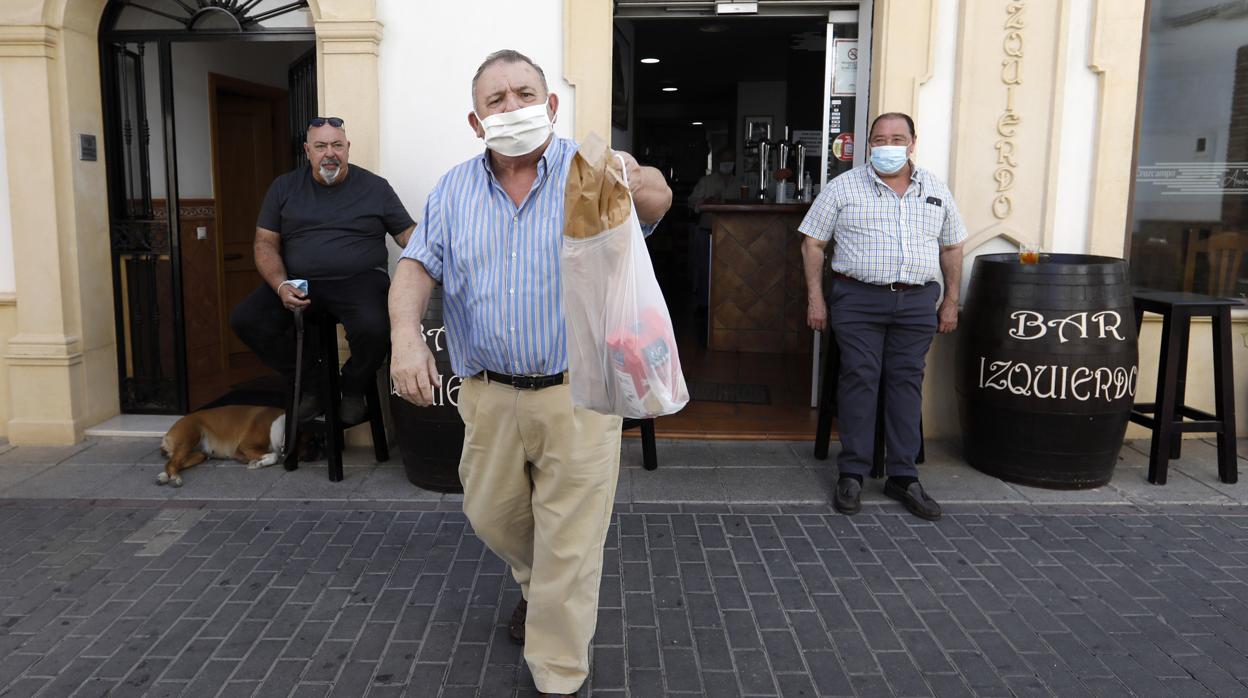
<point>525,382</point>
<point>895,286</point>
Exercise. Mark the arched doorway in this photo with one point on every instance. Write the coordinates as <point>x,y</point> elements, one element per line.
<point>59,368</point>
<point>203,107</point>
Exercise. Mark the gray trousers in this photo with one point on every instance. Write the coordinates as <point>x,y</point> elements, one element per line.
<point>878,329</point>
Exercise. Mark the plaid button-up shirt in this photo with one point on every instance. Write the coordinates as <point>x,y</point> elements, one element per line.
<point>879,237</point>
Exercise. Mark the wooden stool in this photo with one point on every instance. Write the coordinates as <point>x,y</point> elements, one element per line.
<point>1168,416</point>
<point>827,410</point>
<point>649,450</point>
<point>325,334</point>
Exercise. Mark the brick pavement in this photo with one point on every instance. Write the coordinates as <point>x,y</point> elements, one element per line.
<point>386,599</point>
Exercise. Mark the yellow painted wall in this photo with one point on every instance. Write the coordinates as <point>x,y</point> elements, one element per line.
<point>8,326</point>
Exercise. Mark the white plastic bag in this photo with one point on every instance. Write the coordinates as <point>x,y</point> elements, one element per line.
<point>622,355</point>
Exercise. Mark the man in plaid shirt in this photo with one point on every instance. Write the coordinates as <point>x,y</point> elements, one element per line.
<point>896,231</point>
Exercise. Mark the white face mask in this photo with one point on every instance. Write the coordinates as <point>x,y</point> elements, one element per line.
<point>726,168</point>
<point>518,132</point>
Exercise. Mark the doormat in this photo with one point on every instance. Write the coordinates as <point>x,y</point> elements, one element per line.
<point>265,391</point>
<point>748,393</point>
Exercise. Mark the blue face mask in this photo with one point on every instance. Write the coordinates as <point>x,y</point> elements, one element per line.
<point>887,159</point>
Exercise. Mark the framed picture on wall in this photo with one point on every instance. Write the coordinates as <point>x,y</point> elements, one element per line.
<point>757,128</point>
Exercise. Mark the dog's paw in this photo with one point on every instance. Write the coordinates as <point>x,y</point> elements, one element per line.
<point>176,481</point>
<point>162,479</point>
<point>263,462</point>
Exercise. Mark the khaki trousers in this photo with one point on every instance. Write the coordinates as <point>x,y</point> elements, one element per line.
<point>539,480</point>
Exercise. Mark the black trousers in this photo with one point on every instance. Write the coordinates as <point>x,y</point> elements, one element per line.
<point>359,303</point>
<point>881,330</point>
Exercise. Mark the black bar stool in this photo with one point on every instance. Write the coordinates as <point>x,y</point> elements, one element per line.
<point>827,410</point>
<point>1168,417</point>
<point>649,450</point>
<point>325,339</point>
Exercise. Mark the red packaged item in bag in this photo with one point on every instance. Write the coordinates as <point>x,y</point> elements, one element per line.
<point>642,354</point>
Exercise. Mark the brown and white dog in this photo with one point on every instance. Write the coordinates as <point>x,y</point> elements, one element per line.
<point>247,433</point>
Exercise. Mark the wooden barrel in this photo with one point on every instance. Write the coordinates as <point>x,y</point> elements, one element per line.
<point>432,438</point>
<point>1047,368</point>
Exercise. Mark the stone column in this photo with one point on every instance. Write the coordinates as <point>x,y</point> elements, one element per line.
<point>348,82</point>
<point>62,359</point>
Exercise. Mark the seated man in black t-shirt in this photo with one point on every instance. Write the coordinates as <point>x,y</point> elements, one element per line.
<point>326,223</point>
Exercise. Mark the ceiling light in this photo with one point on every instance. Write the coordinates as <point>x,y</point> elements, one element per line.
<point>669,89</point>
<point>695,123</point>
<point>649,61</point>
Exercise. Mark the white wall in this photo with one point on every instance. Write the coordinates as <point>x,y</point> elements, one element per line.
<point>428,57</point>
<point>1080,110</point>
<point>8,280</point>
<point>934,121</point>
<point>1189,80</point>
<point>262,63</point>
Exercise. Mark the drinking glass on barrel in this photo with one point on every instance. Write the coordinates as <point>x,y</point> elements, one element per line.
<point>1028,254</point>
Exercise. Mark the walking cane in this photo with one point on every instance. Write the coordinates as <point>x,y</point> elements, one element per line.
<point>291,460</point>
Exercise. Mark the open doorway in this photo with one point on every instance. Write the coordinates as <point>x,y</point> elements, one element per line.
<point>735,110</point>
<point>250,129</point>
<point>199,107</point>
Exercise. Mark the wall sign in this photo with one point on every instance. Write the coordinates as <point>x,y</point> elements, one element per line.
<point>86,147</point>
<point>845,67</point>
<point>1007,123</point>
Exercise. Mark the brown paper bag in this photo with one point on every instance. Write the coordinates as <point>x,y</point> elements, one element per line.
<point>597,198</point>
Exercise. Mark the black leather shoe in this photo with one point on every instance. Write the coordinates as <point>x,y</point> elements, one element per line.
<point>352,409</point>
<point>848,496</point>
<point>515,628</point>
<point>916,500</point>
<point>310,407</point>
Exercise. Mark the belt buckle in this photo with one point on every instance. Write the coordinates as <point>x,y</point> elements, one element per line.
<point>524,382</point>
<point>894,286</point>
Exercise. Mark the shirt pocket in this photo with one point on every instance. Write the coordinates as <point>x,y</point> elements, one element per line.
<point>929,219</point>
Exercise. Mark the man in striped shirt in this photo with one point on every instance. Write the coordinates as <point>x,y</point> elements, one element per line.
<point>539,474</point>
<point>896,230</point>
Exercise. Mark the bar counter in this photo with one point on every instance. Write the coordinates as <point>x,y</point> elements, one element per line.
<point>758,290</point>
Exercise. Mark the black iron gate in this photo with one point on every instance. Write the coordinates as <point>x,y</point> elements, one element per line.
<point>143,228</point>
<point>301,81</point>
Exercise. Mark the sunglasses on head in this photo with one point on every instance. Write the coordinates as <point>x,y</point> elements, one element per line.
<point>319,121</point>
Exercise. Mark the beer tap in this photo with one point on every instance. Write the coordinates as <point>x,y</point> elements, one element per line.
<point>784,150</point>
<point>799,151</point>
<point>764,170</point>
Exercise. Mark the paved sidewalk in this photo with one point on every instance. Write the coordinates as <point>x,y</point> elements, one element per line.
<point>235,586</point>
<point>690,472</point>
<point>268,599</point>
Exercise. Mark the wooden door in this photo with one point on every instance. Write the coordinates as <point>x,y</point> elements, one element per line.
<point>245,167</point>
<point>249,149</point>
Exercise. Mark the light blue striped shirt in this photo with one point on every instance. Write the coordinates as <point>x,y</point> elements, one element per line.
<point>502,298</point>
<point>882,238</point>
